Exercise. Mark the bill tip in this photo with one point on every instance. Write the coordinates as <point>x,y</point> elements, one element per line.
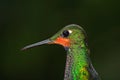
<point>23,49</point>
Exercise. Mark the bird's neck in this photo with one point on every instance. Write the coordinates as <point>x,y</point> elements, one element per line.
<point>77,62</point>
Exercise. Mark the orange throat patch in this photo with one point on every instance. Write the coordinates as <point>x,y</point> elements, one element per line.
<point>62,41</point>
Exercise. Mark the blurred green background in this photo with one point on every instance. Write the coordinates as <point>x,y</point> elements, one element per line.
<point>23,22</point>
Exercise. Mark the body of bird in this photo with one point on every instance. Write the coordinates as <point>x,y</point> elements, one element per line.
<point>78,63</point>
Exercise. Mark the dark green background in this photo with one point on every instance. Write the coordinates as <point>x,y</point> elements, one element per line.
<point>23,22</point>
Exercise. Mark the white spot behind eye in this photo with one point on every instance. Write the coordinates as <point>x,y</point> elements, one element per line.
<point>70,31</point>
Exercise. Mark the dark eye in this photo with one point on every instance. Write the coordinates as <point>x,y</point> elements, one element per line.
<point>65,33</point>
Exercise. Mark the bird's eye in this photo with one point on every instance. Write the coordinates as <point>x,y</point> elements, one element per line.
<point>65,33</point>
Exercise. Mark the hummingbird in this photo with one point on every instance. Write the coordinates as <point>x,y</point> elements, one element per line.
<point>78,63</point>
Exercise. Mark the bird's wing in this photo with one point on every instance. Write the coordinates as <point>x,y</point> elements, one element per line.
<point>93,74</point>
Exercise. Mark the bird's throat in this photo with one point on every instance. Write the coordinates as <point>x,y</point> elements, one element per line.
<point>76,63</point>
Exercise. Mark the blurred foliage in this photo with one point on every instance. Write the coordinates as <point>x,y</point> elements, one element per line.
<point>23,22</point>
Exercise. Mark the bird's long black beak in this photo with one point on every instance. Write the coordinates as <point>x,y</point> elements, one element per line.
<point>47,41</point>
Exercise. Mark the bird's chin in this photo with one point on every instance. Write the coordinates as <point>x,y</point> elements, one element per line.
<point>66,48</point>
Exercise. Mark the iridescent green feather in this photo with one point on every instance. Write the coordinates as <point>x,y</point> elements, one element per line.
<point>78,63</point>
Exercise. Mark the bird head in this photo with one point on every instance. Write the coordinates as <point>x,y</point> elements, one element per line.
<point>70,35</point>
